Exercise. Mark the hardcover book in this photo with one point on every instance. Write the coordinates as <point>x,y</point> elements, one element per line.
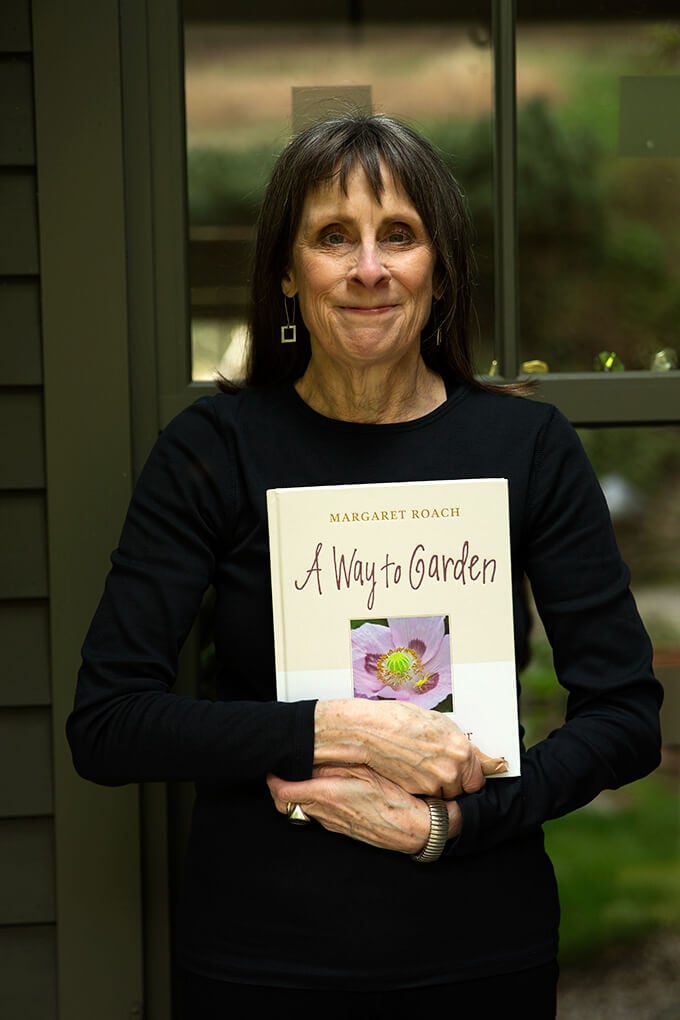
<point>399,591</point>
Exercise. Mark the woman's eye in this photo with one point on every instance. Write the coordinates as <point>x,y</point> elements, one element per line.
<point>397,237</point>
<point>334,238</point>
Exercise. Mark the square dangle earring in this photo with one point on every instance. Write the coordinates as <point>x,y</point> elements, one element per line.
<point>289,329</point>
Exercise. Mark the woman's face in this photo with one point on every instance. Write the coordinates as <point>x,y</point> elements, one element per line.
<point>362,272</point>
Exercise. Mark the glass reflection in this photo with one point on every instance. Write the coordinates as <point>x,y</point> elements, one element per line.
<point>599,245</point>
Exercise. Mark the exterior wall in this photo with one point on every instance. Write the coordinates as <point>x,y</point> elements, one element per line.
<point>70,872</point>
<point>76,282</point>
<point>27,884</point>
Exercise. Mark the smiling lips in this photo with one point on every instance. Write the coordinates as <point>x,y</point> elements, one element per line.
<point>367,310</point>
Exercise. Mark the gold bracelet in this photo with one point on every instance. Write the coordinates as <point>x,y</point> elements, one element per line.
<point>439,832</point>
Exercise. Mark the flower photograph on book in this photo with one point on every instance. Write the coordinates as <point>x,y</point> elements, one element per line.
<point>404,659</point>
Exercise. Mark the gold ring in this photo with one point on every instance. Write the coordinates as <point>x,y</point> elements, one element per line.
<point>296,815</point>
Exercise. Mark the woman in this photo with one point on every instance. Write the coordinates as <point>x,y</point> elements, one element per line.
<point>362,269</point>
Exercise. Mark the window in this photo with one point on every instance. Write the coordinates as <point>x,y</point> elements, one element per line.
<point>555,129</point>
<point>599,192</point>
<point>242,84</point>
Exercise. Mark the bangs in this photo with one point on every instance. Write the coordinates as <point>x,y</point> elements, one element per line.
<point>337,167</point>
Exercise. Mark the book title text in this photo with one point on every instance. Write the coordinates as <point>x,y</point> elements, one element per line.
<point>345,571</point>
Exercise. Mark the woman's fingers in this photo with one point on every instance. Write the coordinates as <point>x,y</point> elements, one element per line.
<point>285,792</point>
<point>354,801</point>
<point>490,766</point>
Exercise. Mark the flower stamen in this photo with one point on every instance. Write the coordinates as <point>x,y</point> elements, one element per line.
<point>402,667</point>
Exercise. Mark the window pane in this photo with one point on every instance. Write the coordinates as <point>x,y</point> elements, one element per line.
<point>239,82</point>
<point>599,190</point>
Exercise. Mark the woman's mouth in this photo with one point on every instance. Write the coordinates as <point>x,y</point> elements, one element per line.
<point>368,309</point>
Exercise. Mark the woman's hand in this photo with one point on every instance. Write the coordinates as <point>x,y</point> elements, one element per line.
<point>357,802</point>
<point>421,751</point>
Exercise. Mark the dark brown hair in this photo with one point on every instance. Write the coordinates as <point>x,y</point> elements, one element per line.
<point>333,149</point>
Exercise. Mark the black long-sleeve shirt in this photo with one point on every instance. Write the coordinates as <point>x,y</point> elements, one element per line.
<point>263,901</point>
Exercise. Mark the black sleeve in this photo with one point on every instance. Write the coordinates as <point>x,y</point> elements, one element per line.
<point>127,725</point>
<point>602,655</point>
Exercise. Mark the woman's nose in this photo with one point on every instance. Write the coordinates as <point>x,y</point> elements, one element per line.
<point>369,268</point>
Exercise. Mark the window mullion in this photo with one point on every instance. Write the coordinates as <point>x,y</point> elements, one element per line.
<point>506,256</point>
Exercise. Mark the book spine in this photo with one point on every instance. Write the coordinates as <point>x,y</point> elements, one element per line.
<point>273,513</point>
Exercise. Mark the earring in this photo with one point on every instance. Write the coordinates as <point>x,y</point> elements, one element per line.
<point>438,330</point>
<point>289,329</point>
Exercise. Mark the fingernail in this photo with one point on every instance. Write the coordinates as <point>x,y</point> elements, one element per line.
<point>502,766</point>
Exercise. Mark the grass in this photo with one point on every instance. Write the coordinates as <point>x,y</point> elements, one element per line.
<point>617,859</point>
<point>617,866</point>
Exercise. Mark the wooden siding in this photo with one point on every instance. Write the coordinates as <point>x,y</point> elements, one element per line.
<point>20,350</point>
<point>23,558</point>
<point>24,640</point>
<point>17,141</point>
<point>84,325</point>
<point>27,855</point>
<point>18,215</point>
<point>28,954</point>
<point>22,461</point>
<point>15,26</point>
<point>26,762</point>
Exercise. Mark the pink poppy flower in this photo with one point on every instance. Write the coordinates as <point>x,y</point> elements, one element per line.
<point>407,660</point>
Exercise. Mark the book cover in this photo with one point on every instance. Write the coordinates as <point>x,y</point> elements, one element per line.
<point>400,591</point>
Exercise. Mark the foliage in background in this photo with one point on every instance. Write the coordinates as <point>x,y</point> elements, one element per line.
<point>616,863</point>
<point>616,860</point>
<point>596,268</point>
<point>643,463</point>
<point>641,455</point>
<point>225,186</point>
<point>560,193</point>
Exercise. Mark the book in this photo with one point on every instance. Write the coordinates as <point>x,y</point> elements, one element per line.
<point>399,591</point>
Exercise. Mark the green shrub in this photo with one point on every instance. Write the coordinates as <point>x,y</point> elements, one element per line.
<point>559,192</point>
<point>226,186</point>
<point>616,864</point>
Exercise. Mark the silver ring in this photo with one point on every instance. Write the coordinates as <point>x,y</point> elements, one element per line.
<point>296,815</point>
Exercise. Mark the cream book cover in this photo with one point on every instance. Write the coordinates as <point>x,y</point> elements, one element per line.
<point>399,591</point>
